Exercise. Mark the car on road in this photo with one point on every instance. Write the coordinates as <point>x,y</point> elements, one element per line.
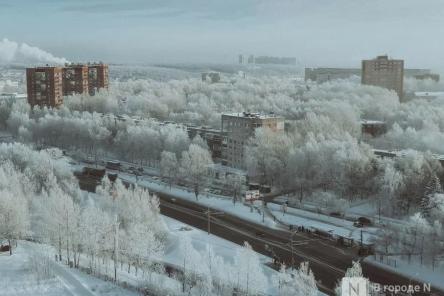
<point>362,222</point>
<point>358,224</point>
<point>259,234</point>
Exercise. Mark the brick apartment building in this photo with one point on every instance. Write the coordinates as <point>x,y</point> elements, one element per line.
<point>384,72</point>
<point>239,128</point>
<point>75,79</point>
<point>45,86</point>
<point>97,77</point>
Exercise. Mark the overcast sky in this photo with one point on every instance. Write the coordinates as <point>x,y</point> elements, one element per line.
<point>316,32</point>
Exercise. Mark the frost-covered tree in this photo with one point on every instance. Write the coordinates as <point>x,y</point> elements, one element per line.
<point>195,164</point>
<point>251,278</point>
<point>296,282</point>
<point>169,166</point>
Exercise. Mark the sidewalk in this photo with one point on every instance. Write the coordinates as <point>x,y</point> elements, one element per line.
<point>334,226</point>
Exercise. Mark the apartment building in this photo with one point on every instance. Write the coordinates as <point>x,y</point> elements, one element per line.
<point>321,75</point>
<point>75,79</point>
<point>384,72</point>
<point>213,137</point>
<point>239,128</point>
<point>45,86</point>
<point>97,77</point>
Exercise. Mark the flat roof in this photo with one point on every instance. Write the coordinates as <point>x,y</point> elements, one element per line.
<point>367,121</point>
<point>429,93</point>
<point>253,115</point>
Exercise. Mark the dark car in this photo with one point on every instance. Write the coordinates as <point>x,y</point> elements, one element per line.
<point>364,221</point>
<point>358,224</point>
<point>259,233</point>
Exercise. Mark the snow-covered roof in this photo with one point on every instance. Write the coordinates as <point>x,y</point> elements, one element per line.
<point>374,122</point>
<point>253,115</point>
<point>429,93</point>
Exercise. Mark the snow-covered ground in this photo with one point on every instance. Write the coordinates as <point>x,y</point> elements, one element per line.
<point>21,274</point>
<point>414,271</point>
<point>217,202</point>
<point>255,213</point>
<point>335,226</point>
<point>200,239</point>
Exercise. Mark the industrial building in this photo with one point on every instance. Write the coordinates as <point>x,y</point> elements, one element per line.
<point>384,72</point>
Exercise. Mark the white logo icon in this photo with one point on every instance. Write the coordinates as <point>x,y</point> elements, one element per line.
<point>355,286</point>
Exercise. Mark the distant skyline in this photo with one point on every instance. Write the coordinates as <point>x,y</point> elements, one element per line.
<point>333,33</point>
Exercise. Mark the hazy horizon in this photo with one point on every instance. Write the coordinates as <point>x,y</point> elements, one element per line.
<point>318,33</point>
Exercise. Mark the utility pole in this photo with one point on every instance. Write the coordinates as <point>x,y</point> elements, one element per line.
<point>292,249</point>
<point>209,213</point>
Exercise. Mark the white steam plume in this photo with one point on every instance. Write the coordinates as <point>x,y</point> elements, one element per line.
<point>12,52</point>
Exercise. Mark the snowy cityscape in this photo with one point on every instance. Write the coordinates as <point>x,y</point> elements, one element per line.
<point>248,148</point>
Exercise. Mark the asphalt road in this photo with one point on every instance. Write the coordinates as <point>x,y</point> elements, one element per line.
<point>327,260</point>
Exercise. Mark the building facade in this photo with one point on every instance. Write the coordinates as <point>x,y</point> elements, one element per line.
<point>321,75</point>
<point>212,77</point>
<point>239,128</point>
<point>75,79</point>
<point>97,77</point>
<point>241,59</point>
<point>214,139</point>
<point>384,72</point>
<point>431,76</point>
<point>45,86</point>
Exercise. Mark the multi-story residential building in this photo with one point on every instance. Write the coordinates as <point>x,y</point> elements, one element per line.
<point>321,75</point>
<point>275,60</point>
<point>239,128</point>
<point>45,86</point>
<point>250,59</point>
<point>384,72</point>
<point>213,137</point>
<point>241,59</point>
<point>431,76</point>
<point>75,79</point>
<point>97,77</point>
